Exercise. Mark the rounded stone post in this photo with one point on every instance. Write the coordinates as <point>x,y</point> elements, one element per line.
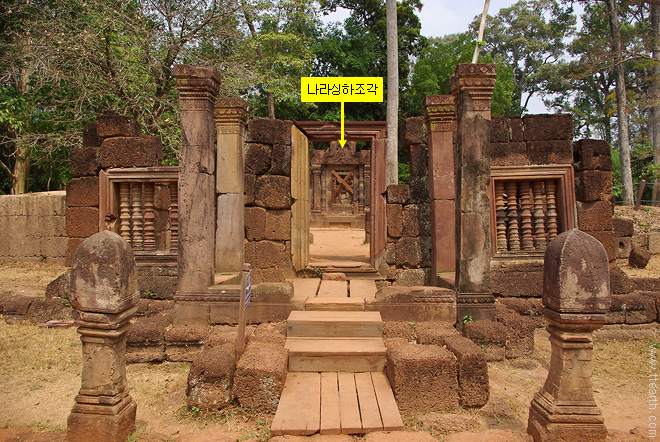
<point>104,292</point>
<point>576,298</point>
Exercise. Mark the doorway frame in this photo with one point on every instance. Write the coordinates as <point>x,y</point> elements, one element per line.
<point>374,132</point>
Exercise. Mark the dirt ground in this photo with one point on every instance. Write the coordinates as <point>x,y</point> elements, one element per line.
<point>40,376</point>
<point>345,245</point>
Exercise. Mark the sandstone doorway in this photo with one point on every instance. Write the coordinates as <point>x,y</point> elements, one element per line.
<point>351,233</point>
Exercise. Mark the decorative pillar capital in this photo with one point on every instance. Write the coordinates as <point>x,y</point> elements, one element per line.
<point>440,112</point>
<point>196,83</point>
<point>230,114</point>
<point>478,80</point>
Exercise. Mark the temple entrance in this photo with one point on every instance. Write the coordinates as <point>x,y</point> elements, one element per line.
<point>347,207</point>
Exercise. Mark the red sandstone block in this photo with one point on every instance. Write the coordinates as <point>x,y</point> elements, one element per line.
<point>592,155</point>
<point>249,182</point>
<point>419,189</point>
<point>593,185</point>
<point>82,222</point>
<point>90,136</point>
<point>472,370</point>
<point>414,131</point>
<point>595,215</point>
<point>410,220</point>
<point>606,238</point>
<point>255,223</point>
<point>269,131</point>
<point>273,192</point>
<point>550,152</point>
<point>84,161</point>
<point>398,194</point>
<point>258,158</point>
<point>419,160</point>
<point>144,151</point>
<point>111,124</point>
<point>83,192</point>
<point>499,131</point>
<point>270,254</point>
<point>72,246</point>
<point>281,160</point>
<point>548,127</point>
<point>509,154</point>
<point>278,225</point>
<point>408,252</point>
<point>623,227</point>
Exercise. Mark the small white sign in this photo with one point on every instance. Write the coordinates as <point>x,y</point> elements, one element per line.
<point>248,288</point>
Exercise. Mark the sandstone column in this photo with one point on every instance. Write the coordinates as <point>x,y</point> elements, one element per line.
<point>576,299</point>
<point>197,89</point>
<point>440,115</point>
<point>230,120</point>
<point>105,293</point>
<point>473,86</point>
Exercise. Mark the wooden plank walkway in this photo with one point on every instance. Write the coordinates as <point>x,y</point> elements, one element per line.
<point>336,403</point>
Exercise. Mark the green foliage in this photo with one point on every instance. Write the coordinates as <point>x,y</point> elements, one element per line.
<point>467,318</point>
<point>404,172</point>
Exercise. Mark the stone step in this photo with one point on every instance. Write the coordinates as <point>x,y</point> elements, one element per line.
<point>364,288</point>
<point>336,354</point>
<point>335,304</point>
<point>333,289</point>
<point>334,324</point>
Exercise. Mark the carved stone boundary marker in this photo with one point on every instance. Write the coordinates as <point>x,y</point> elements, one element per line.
<point>104,292</point>
<point>576,297</point>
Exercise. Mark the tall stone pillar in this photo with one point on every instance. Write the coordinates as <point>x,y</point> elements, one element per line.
<point>316,188</point>
<point>576,299</point>
<point>230,120</point>
<point>104,292</point>
<point>197,89</point>
<point>440,115</point>
<point>473,85</point>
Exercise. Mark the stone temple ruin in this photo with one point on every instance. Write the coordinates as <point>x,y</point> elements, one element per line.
<point>486,200</point>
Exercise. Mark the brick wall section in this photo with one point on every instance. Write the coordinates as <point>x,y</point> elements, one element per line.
<point>32,227</point>
<point>593,191</point>
<point>114,141</point>
<point>268,199</point>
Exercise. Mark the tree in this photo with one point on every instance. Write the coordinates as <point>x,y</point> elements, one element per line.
<point>392,94</point>
<point>655,96</point>
<point>521,37</point>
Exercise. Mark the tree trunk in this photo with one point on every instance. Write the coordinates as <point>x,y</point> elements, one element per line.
<point>654,130</point>
<point>621,105</point>
<point>21,170</point>
<point>392,94</point>
<point>270,103</point>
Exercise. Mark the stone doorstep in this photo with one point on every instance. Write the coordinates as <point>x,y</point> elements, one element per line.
<point>335,304</point>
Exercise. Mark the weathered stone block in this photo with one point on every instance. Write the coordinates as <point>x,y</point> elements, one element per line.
<point>145,340</point>
<point>249,183</point>
<point>410,278</point>
<point>506,129</point>
<point>281,160</point>
<point>82,192</point>
<point>270,254</point>
<point>489,335</point>
<point>398,194</point>
<point>654,243</point>
<point>595,215</point>
<point>229,233</point>
<point>433,333</point>
<point>419,189</point>
<point>550,152</point>
<point>632,308</point>
<point>408,252</point>
<point>620,283</point>
<point>82,222</point>
<point>90,136</point>
<point>258,158</point>
<point>517,279</point>
<point>639,257</point>
<point>606,238</point>
<point>548,127</point>
<point>592,155</point>
<point>210,378</point>
<point>394,220</point>
<point>593,185</point>
<point>410,220</point>
<point>71,248</point>
<point>414,131</point>
<point>144,151</point>
<point>183,343</point>
<point>42,310</point>
<point>84,161</point>
<point>423,377</point>
<point>255,223</point>
<point>260,376</point>
<point>111,124</point>
<point>623,227</point>
<point>269,131</point>
<point>273,192</point>
<point>419,160</point>
<point>278,225</point>
<point>623,247</point>
<point>521,332</point>
<point>509,154</point>
<point>472,371</point>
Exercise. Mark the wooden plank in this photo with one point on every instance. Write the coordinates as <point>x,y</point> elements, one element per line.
<point>348,403</point>
<point>330,410</point>
<point>389,412</point>
<point>369,411</point>
<point>299,410</point>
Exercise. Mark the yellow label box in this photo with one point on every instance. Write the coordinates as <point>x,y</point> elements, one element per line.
<point>338,89</point>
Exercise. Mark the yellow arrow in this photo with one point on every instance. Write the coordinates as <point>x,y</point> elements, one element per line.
<point>342,141</point>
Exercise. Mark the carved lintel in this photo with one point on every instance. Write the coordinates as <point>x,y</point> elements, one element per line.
<point>476,79</point>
